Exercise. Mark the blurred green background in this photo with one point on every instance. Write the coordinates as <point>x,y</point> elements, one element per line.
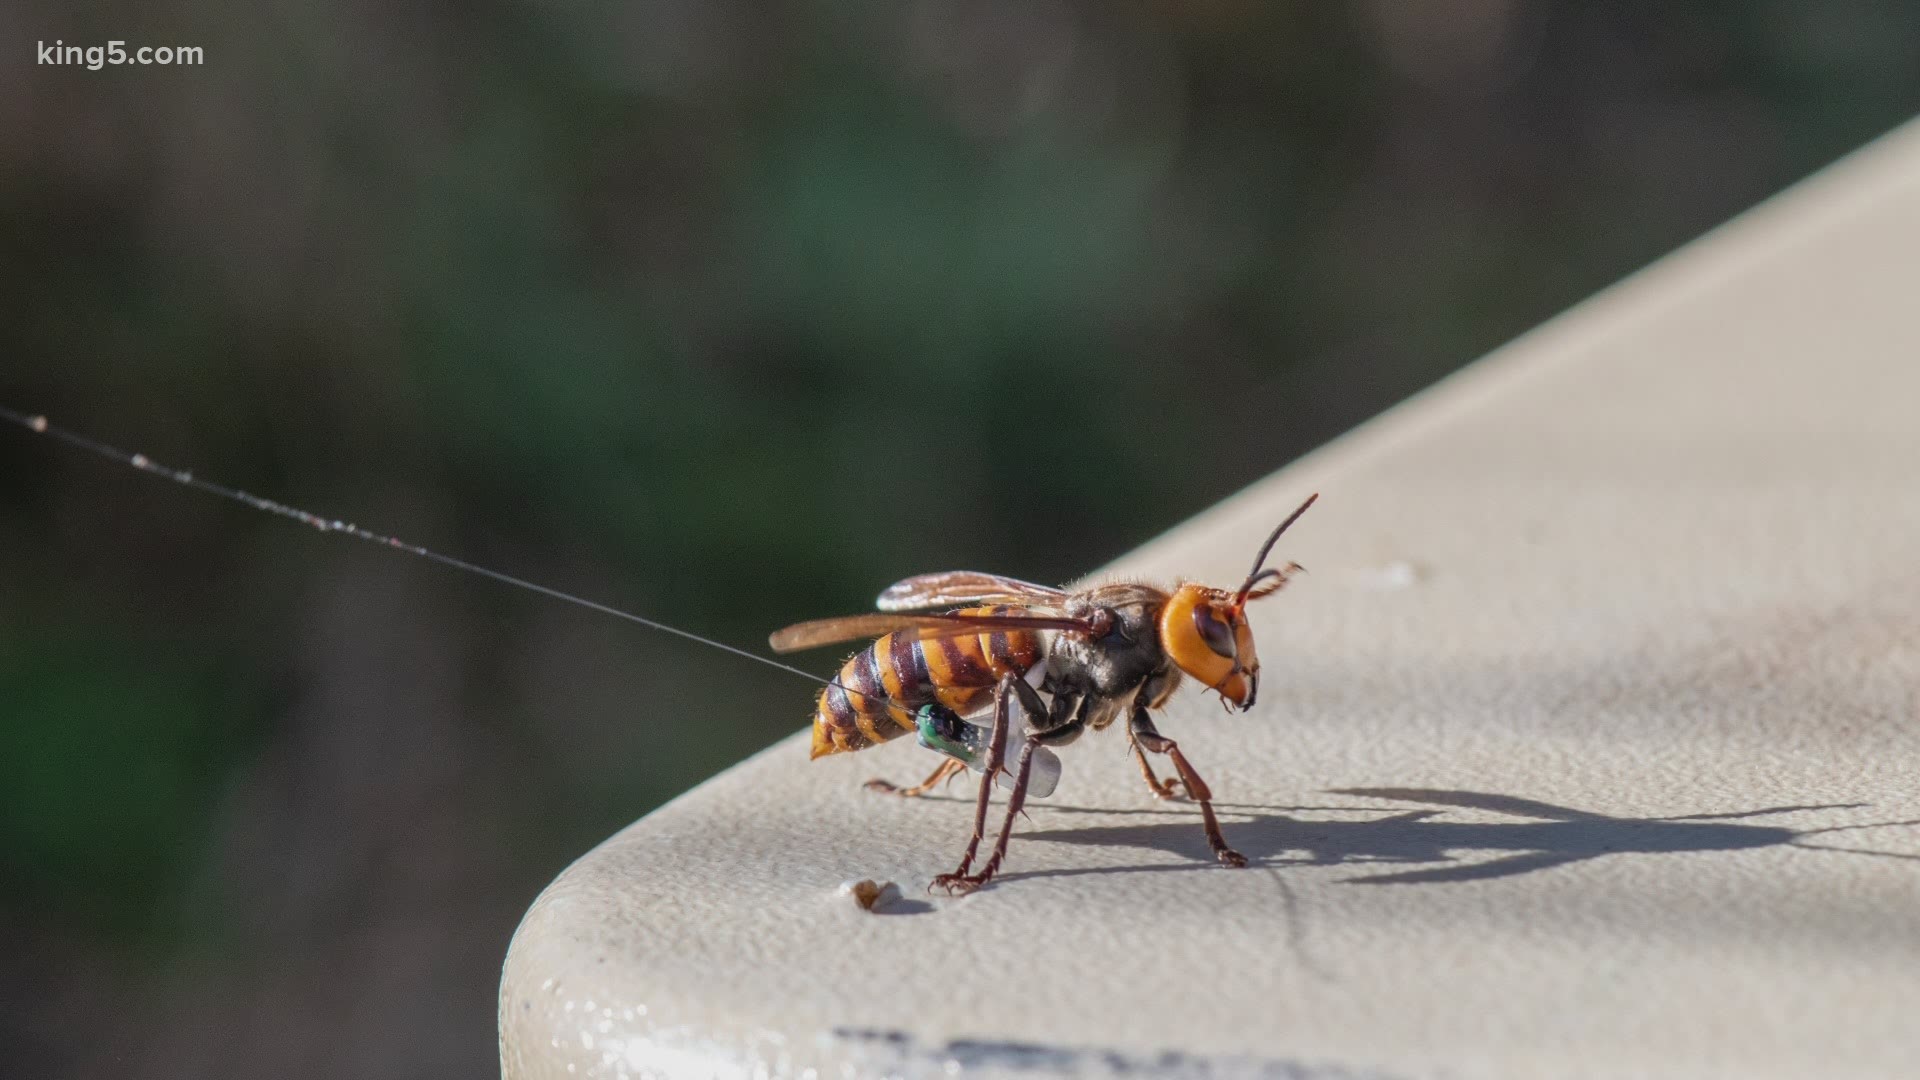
<point>727,312</point>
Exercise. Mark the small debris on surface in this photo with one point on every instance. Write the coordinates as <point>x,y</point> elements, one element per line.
<point>38,424</point>
<point>871,895</point>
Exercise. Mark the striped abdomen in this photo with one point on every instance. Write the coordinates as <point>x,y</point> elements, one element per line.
<point>892,678</point>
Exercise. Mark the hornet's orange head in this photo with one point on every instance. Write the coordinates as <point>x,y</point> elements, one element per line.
<point>1206,633</point>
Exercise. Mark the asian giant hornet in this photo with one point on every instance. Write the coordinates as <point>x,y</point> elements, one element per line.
<point>1072,661</point>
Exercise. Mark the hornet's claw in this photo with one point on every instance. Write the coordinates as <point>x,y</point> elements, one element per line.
<point>957,884</point>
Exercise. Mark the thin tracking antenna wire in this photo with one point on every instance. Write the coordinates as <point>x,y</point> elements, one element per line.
<point>39,426</point>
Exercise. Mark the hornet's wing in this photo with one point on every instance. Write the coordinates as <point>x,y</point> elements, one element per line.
<point>808,635</point>
<point>954,588</point>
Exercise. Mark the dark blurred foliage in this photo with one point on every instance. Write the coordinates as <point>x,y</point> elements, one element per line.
<point>731,313</point>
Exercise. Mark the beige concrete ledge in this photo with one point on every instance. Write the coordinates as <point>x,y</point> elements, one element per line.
<point>1589,746</point>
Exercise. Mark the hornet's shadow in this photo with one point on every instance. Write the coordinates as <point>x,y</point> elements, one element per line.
<point>1436,849</point>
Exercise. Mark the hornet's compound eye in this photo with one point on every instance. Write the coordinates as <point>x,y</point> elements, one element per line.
<point>1217,635</point>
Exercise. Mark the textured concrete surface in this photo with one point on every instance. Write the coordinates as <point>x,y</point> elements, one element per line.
<point>1589,746</point>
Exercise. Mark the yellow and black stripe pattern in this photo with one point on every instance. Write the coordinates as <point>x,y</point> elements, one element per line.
<point>881,687</point>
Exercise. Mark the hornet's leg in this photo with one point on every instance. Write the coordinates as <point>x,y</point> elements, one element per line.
<point>1146,737</point>
<point>1171,788</point>
<point>948,767</point>
<point>963,883</point>
<point>996,756</point>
